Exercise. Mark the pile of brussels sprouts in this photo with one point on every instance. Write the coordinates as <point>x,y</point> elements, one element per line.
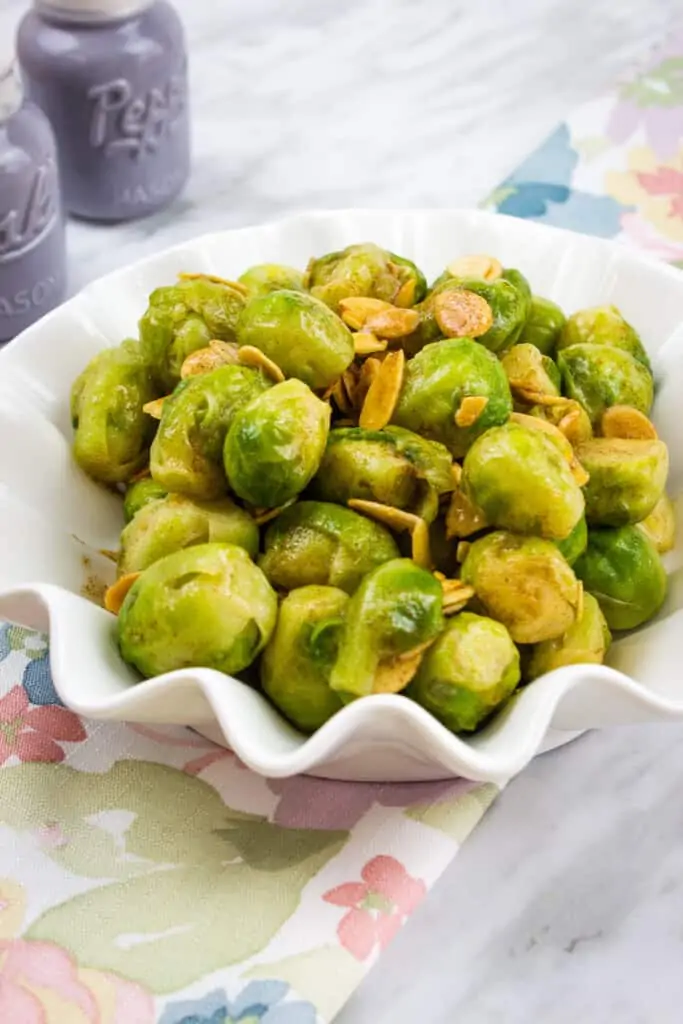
<point>342,482</point>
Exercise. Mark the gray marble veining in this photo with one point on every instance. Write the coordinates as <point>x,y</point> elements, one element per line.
<point>567,902</point>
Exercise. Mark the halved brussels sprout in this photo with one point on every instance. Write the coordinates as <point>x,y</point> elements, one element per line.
<point>525,583</point>
<point>185,317</point>
<point>187,453</point>
<point>299,334</point>
<point>602,325</point>
<point>531,371</point>
<point>660,525</point>
<point>521,482</point>
<point>139,494</point>
<point>396,609</point>
<point>265,278</point>
<point>627,478</point>
<point>208,606</point>
<point>586,642</point>
<point>112,433</point>
<point>437,381</point>
<point>573,546</point>
<point>175,522</point>
<point>543,326</point>
<point>622,569</point>
<point>296,664</point>
<point>599,376</point>
<point>471,669</point>
<point>314,542</point>
<point>274,445</point>
<point>365,270</point>
<point>391,466</point>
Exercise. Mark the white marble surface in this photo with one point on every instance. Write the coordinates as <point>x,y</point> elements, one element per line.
<point>567,902</point>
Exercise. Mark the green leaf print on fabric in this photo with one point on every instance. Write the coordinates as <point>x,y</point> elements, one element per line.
<point>196,887</point>
<point>457,816</point>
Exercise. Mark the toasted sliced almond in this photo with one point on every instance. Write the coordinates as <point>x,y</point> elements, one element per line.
<point>392,322</point>
<point>421,552</point>
<point>356,309</point>
<point>580,474</point>
<point>486,267</point>
<point>368,372</point>
<point>143,474</point>
<point>248,355</point>
<point>116,594</point>
<point>627,422</point>
<point>112,556</point>
<point>462,551</point>
<point>456,600</point>
<point>405,297</point>
<point>204,360</point>
<point>579,600</point>
<point>215,280</point>
<point>366,344</point>
<point>543,427</point>
<point>382,396</point>
<point>462,314</point>
<point>350,381</point>
<point>395,518</point>
<point>570,425</point>
<point>456,470</point>
<point>470,410</point>
<point>341,399</point>
<point>531,396</point>
<point>463,518</point>
<point>394,674</point>
<point>266,515</point>
<point>155,408</point>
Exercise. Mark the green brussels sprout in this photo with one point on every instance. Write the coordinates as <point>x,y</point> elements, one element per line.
<point>508,296</point>
<point>265,278</point>
<point>365,270</point>
<point>208,606</point>
<point>602,325</point>
<point>274,445</point>
<point>173,523</point>
<point>471,669</point>
<point>391,466</point>
<point>184,317</point>
<point>314,542</point>
<point>140,494</point>
<point>543,326</point>
<point>660,525</point>
<point>598,377</point>
<point>626,478</point>
<point>187,453</point>
<point>397,608</point>
<point>297,663</point>
<point>521,481</point>
<point>584,643</point>
<point>525,583</point>
<point>623,571</point>
<point>112,433</point>
<point>298,333</point>
<point>573,546</point>
<point>438,379</point>
<point>526,366</point>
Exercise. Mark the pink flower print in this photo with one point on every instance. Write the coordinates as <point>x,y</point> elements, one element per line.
<point>30,733</point>
<point>668,182</point>
<point>377,906</point>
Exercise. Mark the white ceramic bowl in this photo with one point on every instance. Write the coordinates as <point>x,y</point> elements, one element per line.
<point>54,521</point>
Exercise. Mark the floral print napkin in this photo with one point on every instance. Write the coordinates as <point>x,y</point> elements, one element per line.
<point>146,876</point>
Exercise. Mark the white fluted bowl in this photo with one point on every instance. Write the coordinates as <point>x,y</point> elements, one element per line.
<point>54,521</point>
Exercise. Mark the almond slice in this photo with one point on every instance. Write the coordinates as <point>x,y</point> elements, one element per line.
<point>405,297</point>
<point>366,344</point>
<point>356,309</point>
<point>399,520</point>
<point>627,422</point>
<point>392,322</point>
<point>455,600</point>
<point>204,360</point>
<point>215,280</point>
<point>394,674</point>
<point>116,594</point>
<point>155,408</point>
<point>470,410</point>
<point>463,518</point>
<point>383,393</point>
<point>266,515</point>
<point>248,355</point>
<point>462,314</point>
<point>462,551</point>
<point>486,267</point>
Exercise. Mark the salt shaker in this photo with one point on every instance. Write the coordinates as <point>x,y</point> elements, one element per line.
<point>32,244</point>
<point>111,75</point>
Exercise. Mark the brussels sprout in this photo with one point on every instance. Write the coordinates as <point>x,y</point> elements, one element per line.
<point>112,433</point>
<point>140,494</point>
<point>300,334</point>
<point>660,525</point>
<point>187,454</point>
<point>622,569</point>
<point>602,325</point>
<point>521,482</point>
<point>184,317</point>
<point>314,542</point>
<point>468,673</point>
<point>573,546</point>
<point>275,444</point>
<point>529,369</point>
<point>627,478</point>
<point>413,282</point>
<point>586,642</point>
<point>396,609</point>
<point>174,523</point>
<point>543,325</point>
<point>525,583</point>
<point>509,297</point>
<point>296,664</point>
<point>208,606</point>
<point>435,384</point>
<point>265,278</point>
<point>391,466</point>
<point>365,270</point>
<point>598,377</point>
